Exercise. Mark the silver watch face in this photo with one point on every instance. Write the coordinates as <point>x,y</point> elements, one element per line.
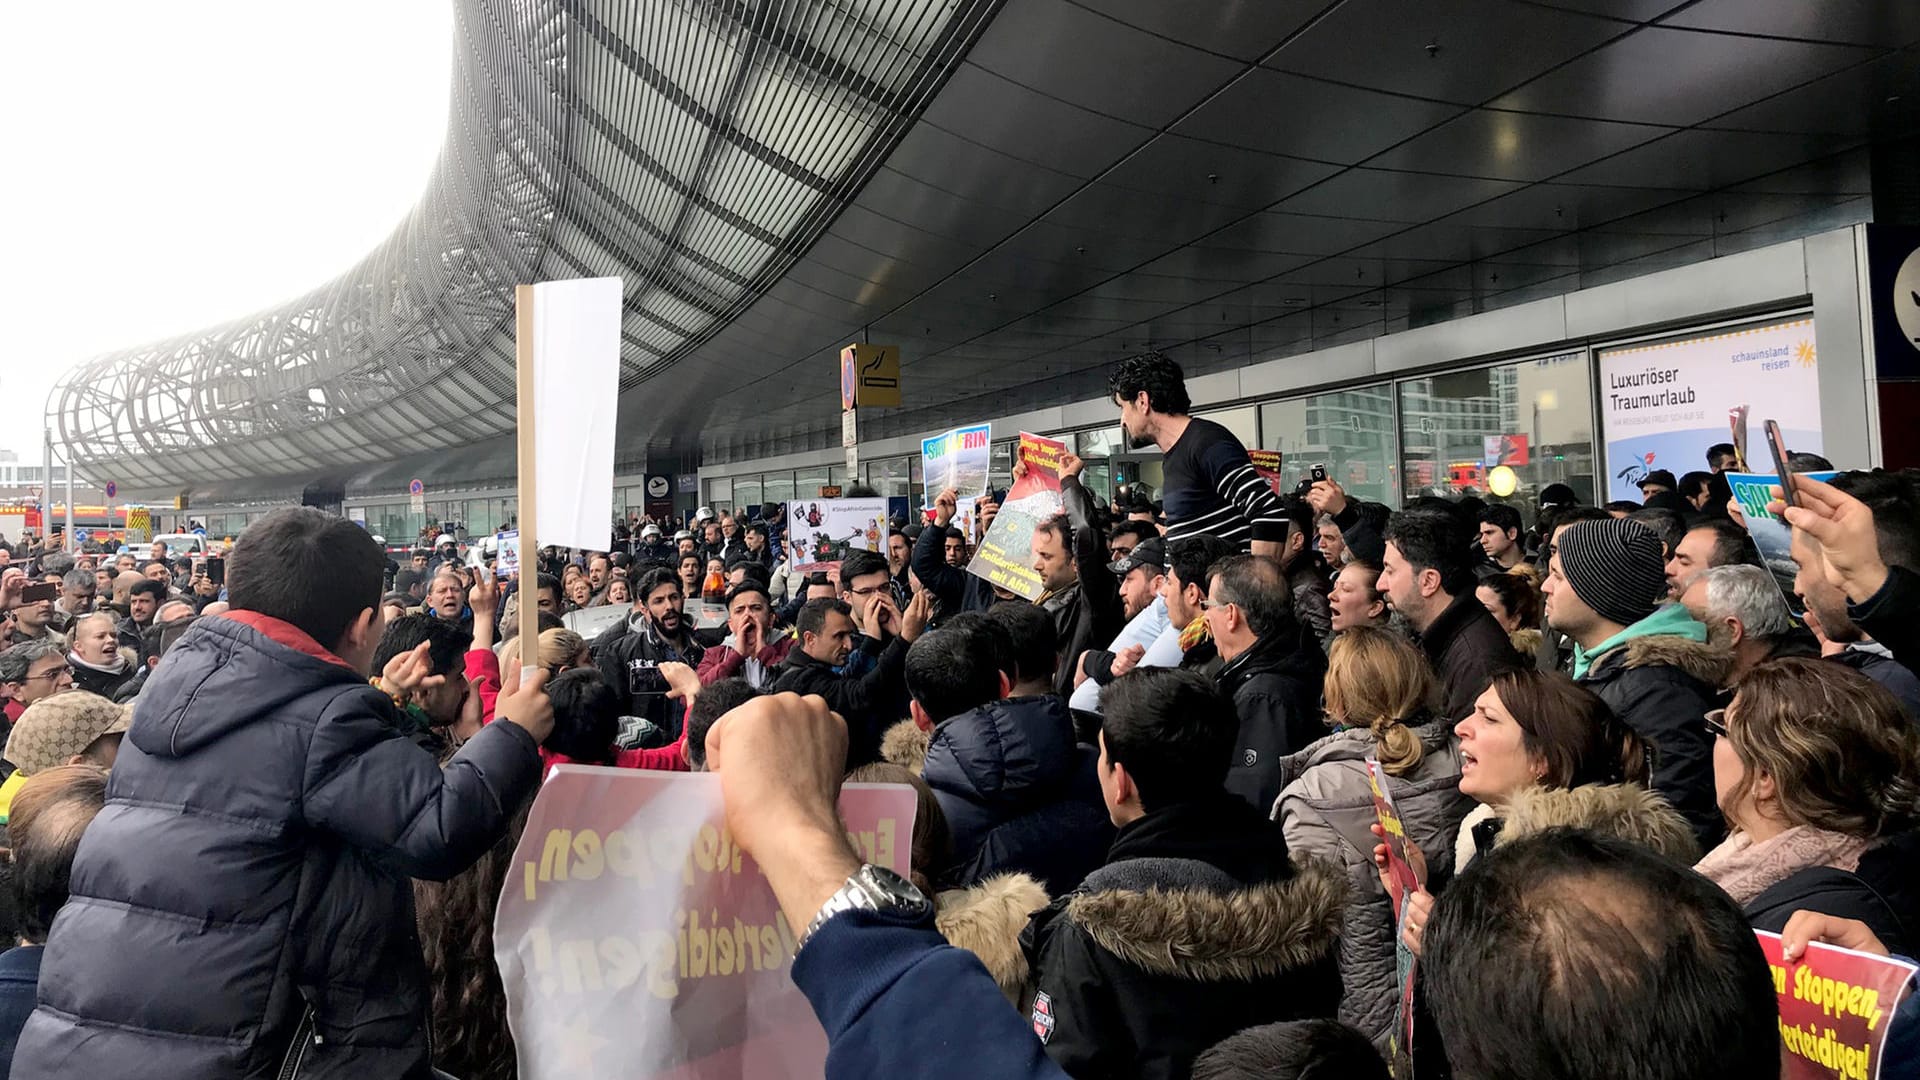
<point>893,891</point>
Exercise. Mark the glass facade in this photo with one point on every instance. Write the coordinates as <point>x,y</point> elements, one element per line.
<point>1534,417</point>
<point>1351,432</point>
<point>1388,441</point>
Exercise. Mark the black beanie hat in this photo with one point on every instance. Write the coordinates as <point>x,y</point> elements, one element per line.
<point>1616,567</point>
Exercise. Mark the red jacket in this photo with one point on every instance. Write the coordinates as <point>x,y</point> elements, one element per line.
<point>669,758</point>
<point>725,661</point>
<point>483,673</point>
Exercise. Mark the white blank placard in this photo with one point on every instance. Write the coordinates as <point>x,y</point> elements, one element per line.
<point>576,380</point>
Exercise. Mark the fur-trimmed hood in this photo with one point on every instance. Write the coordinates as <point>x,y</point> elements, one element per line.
<point>1526,640</point>
<point>1624,811</point>
<point>1705,662</point>
<point>905,745</point>
<point>1211,934</point>
<point>986,920</point>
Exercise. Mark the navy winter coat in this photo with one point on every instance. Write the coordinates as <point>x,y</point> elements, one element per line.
<point>249,874</point>
<point>1018,793</point>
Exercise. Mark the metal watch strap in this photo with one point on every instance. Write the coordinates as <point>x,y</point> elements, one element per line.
<point>860,891</point>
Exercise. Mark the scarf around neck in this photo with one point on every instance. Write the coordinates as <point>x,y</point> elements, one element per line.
<point>1744,869</point>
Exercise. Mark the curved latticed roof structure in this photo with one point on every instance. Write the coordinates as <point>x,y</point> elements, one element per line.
<point>692,147</point>
<point>1014,192</point>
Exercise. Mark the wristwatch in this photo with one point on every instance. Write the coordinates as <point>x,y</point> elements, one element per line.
<point>871,888</point>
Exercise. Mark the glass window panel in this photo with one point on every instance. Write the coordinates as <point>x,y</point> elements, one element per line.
<point>892,477</point>
<point>1242,422</point>
<point>1000,464</point>
<point>746,491</point>
<point>837,474</point>
<point>720,490</point>
<point>1535,416</point>
<point>777,487</point>
<point>1349,431</point>
<point>1103,442</point>
<point>809,481</point>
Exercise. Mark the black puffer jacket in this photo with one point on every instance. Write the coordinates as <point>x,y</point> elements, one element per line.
<point>1661,686</point>
<point>1275,687</point>
<point>1197,927</point>
<point>251,868</point>
<point>1019,793</point>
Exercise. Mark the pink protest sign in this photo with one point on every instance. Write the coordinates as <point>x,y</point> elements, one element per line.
<point>1835,1007</point>
<point>636,940</point>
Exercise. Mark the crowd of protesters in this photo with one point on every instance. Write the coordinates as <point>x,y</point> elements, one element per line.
<point>259,826</point>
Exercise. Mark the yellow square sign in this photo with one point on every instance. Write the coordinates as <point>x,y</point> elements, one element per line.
<point>870,376</point>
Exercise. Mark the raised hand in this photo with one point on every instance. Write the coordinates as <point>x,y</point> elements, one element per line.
<point>410,672</point>
<point>913,622</point>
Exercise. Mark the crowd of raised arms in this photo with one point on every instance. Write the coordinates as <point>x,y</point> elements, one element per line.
<point>259,825</point>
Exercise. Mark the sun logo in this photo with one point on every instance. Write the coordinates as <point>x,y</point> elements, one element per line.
<point>1803,352</point>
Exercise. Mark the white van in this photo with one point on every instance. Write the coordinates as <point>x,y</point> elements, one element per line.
<point>183,544</point>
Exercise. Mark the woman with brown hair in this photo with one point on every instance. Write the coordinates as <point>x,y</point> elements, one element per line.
<point>468,1010</point>
<point>1355,599</point>
<point>1539,752</point>
<point>1815,767</point>
<point>1378,693</point>
<point>1514,602</point>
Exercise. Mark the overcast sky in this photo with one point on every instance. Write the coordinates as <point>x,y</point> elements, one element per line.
<point>176,165</point>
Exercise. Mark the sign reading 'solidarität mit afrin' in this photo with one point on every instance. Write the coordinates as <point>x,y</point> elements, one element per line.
<point>1663,403</point>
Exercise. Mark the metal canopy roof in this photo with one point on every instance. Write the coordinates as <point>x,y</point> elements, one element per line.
<point>1015,202</point>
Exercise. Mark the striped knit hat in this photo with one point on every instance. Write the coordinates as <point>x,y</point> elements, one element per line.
<point>1616,567</point>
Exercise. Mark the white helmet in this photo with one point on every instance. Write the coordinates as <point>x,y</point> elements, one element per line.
<point>705,513</point>
<point>445,540</point>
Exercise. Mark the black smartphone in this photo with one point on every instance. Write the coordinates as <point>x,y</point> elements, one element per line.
<point>38,591</point>
<point>1319,471</point>
<point>1779,447</point>
<point>217,571</point>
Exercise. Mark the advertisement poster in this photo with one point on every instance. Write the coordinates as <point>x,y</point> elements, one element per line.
<point>1267,464</point>
<point>820,532</point>
<point>1005,555</point>
<point>1663,404</point>
<point>1506,450</point>
<point>959,460</point>
<point>1836,1006</point>
<point>634,939</point>
<point>1772,536</point>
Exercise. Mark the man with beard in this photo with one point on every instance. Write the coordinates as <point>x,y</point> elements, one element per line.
<point>1070,557</point>
<point>1210,486</point>
<point>630,653</point>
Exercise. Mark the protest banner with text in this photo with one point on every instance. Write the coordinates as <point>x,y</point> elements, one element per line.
<point>1005,557</point>
<point>1836,1006</point>
<point>635,939</point>
<point>820,532</point>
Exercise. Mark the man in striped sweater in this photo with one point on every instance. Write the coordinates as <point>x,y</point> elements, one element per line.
<point>1210,487</point>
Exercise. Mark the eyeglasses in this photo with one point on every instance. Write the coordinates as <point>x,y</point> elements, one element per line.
<point>868,591</point>
<point>1209,605</point>
<point>54,673</point>
<point>1716,722</point>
